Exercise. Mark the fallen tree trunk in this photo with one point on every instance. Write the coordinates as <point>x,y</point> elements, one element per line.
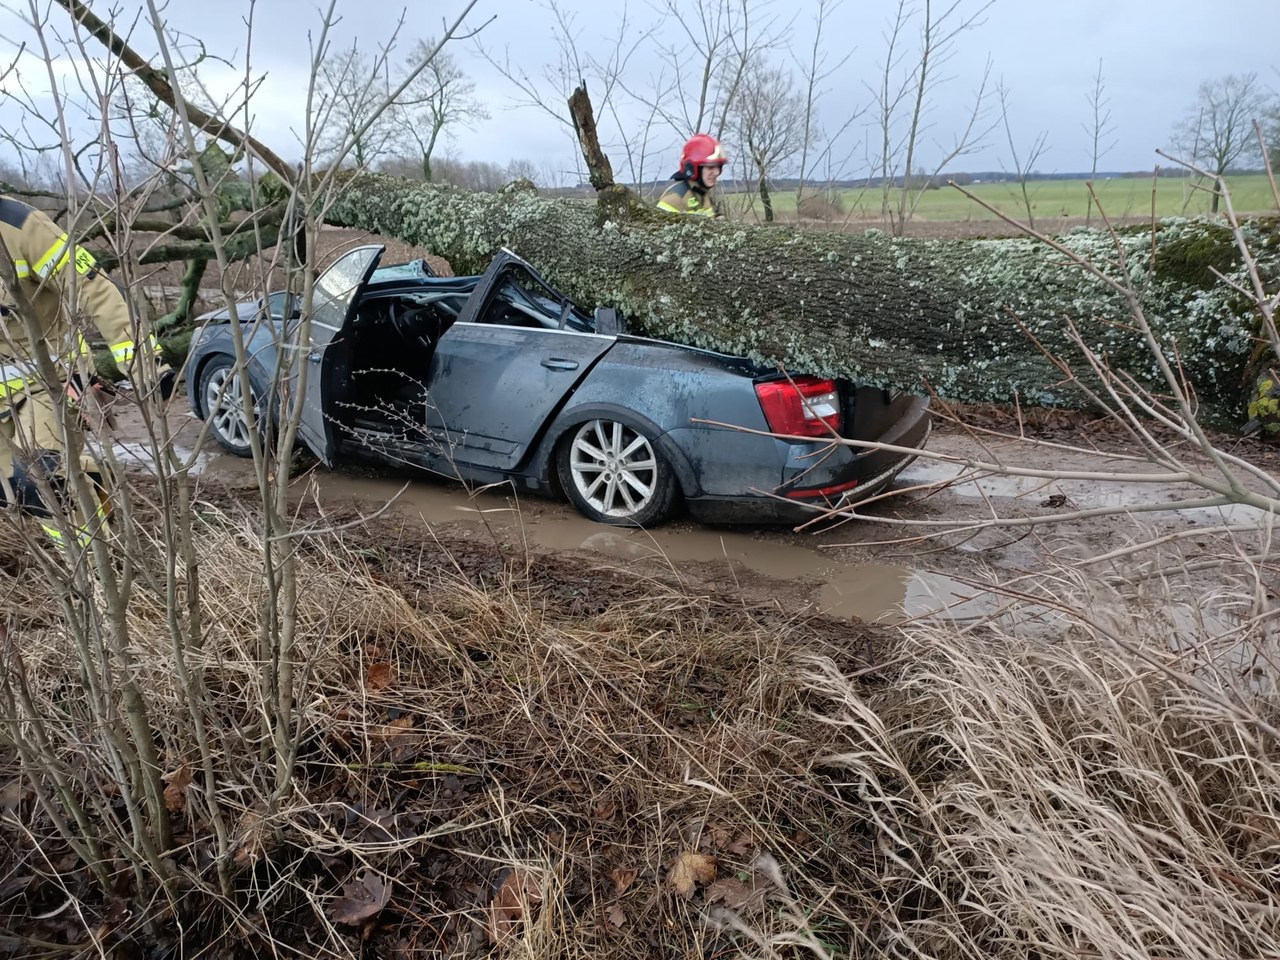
<point>962,317</point>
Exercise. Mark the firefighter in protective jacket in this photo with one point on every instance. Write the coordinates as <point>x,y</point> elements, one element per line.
<point>701,160</point>
<point>51,270</point>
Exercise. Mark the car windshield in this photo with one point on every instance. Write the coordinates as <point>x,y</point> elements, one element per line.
<point>416,270</point>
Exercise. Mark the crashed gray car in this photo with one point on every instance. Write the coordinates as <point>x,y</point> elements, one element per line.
<point>501,378</point>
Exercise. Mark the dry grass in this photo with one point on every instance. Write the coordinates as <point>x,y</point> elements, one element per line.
<point>464,715</point>
<point>1113,793</point>
<point>503,754</point>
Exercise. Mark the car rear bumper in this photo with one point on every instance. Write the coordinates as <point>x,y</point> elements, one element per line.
<point>844,477</point>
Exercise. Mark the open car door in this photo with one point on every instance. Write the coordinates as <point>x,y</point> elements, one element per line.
<point>499,373</point>
<point>336,293</point>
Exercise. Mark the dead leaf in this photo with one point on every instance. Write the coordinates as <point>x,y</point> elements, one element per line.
<point>518,891</point>
<point>606,811</point>
<point>253,838</point>
<point>175,791</point>
<point>11,796</point>
<point>378,676</point>
<point>617,916</point>
<point>719,835</point>
<point>737,895</point>
<point>690,870</point>
<point>623,878</point>
<point>362,898</point>
<point>395,733</point>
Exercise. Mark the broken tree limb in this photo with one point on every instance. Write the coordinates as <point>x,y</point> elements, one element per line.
<point>160,86</point>
<point>239,246</point>
<point>961,317</point>
<point>599,169</point>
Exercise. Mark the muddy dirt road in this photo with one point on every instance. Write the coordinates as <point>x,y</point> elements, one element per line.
<point>877,571</point>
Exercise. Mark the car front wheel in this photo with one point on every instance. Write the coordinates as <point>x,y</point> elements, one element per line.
<point>222,396</point>
<point>614,474</point>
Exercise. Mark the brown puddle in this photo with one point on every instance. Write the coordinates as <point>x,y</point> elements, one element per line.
<point>872,592</point>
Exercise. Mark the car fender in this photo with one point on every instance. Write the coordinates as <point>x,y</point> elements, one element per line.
<point>544,458</point>
<point>262,353</point>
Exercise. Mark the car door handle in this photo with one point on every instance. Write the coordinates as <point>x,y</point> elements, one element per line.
<point>559,363</point>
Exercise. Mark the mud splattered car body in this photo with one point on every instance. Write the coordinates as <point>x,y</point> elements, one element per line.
<point>501,378</point>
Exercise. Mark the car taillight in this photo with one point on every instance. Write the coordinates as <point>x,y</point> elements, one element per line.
<point>800,407</point>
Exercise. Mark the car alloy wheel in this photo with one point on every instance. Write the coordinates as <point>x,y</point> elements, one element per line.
<point>224,405</point>
<point>613,474</point>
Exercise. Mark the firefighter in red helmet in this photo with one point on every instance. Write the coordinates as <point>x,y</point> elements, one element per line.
<point>701,161</point>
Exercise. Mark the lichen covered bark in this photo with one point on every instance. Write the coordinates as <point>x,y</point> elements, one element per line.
<point>960,316</point>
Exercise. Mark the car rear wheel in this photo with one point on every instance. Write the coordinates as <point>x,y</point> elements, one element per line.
<point>222,396</point>
<point>613,473</point>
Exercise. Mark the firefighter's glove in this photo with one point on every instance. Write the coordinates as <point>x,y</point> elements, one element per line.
<point>103,388</point>
<point>165,381</point>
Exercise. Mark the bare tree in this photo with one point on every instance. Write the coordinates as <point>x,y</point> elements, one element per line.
<point>1022,166</point>
<point>144,702</point>
<point>634,119</point>
<point>815,72</point>
<point>1270,123</point>
<point>716,42</point>
<point>349,84</point>
<point>522,168</point>
<point>548,89</point>
<point>1099,129</point>
<point>1217,131</point>
<point>770,124</point>
<point>440,97</point>
<point>903,100</point>
<point>692,91</point>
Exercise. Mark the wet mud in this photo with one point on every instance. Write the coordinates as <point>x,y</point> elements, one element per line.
<point>876,572</point>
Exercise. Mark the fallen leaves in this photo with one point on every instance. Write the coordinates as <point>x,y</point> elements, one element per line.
<point>689,871</point>
<point>11,795</point>
<point>400,737</point>
<point>393,730</point>
<point>623,878</point>
<point>518,892</point>
<point>739,895</point>
<point>362,898</point>
<point>253,838</point>
<point>175,791</point>
<point>378,677</point>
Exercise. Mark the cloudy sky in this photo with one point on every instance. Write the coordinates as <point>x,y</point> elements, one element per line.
<point>1153,55</point>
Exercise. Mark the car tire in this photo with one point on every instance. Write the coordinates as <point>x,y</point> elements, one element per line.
<point>613,473</point>
<point>222,403</point>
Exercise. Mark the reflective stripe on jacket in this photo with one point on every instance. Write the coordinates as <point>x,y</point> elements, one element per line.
<point>681,197</point>
<point>13,379</point>
<point>43,253</point>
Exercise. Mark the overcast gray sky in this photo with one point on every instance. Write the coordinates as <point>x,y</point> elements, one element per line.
<point>1154,55</point>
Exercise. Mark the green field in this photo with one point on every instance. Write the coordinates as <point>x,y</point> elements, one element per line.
<point>1050,199</point>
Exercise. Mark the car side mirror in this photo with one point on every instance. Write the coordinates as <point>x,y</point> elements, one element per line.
<point>609,322</point>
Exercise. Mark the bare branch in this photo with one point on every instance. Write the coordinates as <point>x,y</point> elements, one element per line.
<point>163,90</point>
